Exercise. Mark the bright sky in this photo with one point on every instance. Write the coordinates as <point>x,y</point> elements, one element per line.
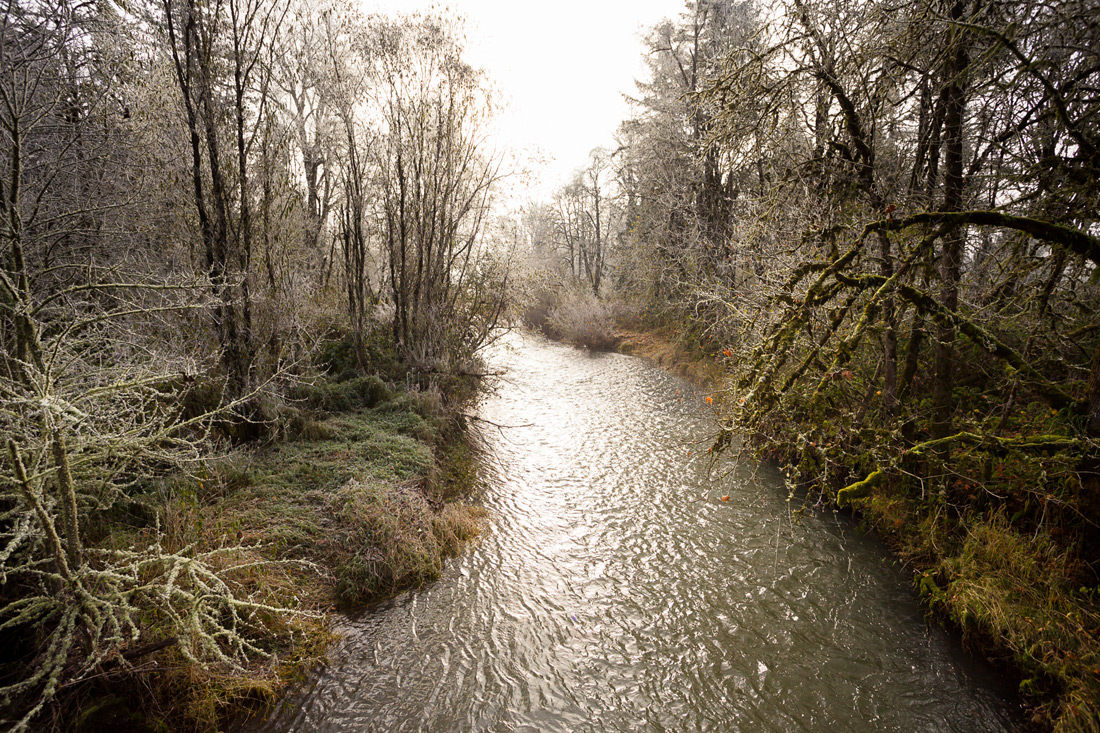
<point>563,67</point>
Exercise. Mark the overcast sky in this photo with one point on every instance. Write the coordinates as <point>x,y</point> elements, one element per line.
<point>563,67</point>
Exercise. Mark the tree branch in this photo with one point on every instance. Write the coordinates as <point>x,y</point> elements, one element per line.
<point>1074,240</point>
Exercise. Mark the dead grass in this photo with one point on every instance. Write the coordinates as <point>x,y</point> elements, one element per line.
<point>388,537</point>
<point>665,350</point>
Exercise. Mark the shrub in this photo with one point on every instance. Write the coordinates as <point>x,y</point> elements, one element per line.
<point>584,320</point>
<point>536,313</point>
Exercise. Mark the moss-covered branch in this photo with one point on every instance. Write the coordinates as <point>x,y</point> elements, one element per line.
<point>1054,394</point>
<point>924,302</point>
<point>993,443</point>
<point>1072,239</point>
<point>774,351</point>
<point>860,489</point>
<point>1034,443</point>
<point>834,324</point>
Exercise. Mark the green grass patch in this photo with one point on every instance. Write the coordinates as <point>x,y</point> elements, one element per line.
<point>345,510</point>
<point>1020,590</point>
<point>343,396</point>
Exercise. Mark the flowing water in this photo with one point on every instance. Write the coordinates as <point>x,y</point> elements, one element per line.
<point>615,590</point>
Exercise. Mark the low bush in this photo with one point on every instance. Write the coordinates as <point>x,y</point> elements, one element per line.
<point>584,320</point>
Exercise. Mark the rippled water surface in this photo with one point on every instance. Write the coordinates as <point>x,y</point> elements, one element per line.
<point>614,590</point>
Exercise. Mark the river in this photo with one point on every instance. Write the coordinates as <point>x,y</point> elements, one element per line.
<point>615,590</point>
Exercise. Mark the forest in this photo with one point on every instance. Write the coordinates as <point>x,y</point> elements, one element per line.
<point>252,252</point>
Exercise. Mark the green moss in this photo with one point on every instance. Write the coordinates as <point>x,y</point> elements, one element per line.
<point>929,590</point>
<point>342,396</point>
<point>859,490</point>
<point>406,415</point>
<point>456,473</point>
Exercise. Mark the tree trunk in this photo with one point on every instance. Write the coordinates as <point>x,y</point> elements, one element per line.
<point>943,403</point>
<point>1094,393</point>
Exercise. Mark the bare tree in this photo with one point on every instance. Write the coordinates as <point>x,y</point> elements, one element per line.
<point>203,40</point>
<point>437,175</point>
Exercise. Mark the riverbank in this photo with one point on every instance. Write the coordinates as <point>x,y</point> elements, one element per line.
<point>1019,598</point>
<point>357,496</point>
<point>663,348</point>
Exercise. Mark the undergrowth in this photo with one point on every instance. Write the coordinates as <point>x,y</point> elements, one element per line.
<point>1014,595</point>
<point>353,500</point>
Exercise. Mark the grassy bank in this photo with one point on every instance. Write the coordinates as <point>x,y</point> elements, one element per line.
<point>353,498</point>
<point>1019,595</point>
<point>664,348</point>
<point>998,544</point>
